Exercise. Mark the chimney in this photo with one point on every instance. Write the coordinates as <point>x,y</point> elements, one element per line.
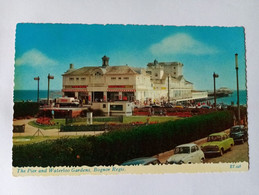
<point>155,62</point>
<point>71,66</point>
<point>105,61</point>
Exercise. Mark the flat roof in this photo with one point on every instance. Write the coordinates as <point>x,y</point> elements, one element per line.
<point>57,109</point>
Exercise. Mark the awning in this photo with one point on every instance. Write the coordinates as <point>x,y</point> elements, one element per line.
<point>188,99</point>
<point>121,90</point>
<point>74,90</point>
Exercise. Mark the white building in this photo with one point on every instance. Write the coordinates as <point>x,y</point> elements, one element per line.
<point>140,85</point>
<point>167,78</point>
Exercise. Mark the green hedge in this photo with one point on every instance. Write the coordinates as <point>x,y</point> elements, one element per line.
<point>118,146</point>
<point>24,109</point>
<point>71,128</point>
<point>108,119</point>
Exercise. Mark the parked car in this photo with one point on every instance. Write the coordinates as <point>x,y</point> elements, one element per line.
<point>186,154</point>
<point>142,161</point>
<point>217,143</point>
<point>178,106</point>
<point>239,133</point>
<point>205,107</point>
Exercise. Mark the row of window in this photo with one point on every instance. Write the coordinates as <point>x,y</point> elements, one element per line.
<point>156,75</point>
<point>112,78</point>
<point>72,79</point>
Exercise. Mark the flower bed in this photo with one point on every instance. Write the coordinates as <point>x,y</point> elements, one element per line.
<point>44,121</point>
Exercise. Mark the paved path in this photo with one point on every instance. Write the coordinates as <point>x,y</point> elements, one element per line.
<point>30,130</point>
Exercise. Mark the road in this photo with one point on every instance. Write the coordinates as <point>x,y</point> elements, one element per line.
<point>238,153</point>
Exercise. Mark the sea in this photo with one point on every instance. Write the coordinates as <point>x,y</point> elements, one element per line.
<point>233,98</point>
<point>31,95</point>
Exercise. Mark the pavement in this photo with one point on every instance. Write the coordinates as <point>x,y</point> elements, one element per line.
<point>30,130</point>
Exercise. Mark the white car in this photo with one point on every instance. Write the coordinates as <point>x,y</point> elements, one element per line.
<point>186,154</point>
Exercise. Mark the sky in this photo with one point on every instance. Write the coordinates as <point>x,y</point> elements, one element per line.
<point>42,49</point>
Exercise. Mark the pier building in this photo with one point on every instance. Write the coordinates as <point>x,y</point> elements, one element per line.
<point>143,86</point>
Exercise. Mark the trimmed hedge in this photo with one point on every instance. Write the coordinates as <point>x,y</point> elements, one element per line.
<point>71,128</point>
<point>24,109</point>
<point>109,119</point>
<point>118,146</point>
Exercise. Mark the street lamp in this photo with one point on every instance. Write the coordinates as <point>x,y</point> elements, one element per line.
<point>168,96</point>
<point>49,77</point>
<point>214,79</point>
<point>38,93</point>
<point>238,106</point>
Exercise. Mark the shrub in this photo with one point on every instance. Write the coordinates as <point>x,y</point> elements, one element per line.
<point>96,112</point>
<point>24,109</point>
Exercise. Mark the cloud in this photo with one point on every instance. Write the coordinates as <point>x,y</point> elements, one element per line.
<point>181,43</point>
<point>34,58</point>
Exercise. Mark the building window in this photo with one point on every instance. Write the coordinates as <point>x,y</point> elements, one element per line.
<point>77,79</point>
<point>113,78</point>
<point>104,105</point>
<point>82,79</point>
<point>98,74</point>
<point>116,107</point>
<point>126,78</point>
<point>156,75</point>
<point>119,78</point>
<point>71,79</point>
<point>174,67</point>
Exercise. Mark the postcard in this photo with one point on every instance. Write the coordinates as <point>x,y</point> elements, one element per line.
<point>129,99</point>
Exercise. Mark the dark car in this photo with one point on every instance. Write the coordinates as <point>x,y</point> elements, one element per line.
<point>239,133</point>
<point>142,161</point>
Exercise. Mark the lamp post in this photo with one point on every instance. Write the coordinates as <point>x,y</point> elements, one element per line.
<point>49,77</point>
<point>214,79</point>
<point>168,96</point>
<point>38,93</point>
<point>238,106</point>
